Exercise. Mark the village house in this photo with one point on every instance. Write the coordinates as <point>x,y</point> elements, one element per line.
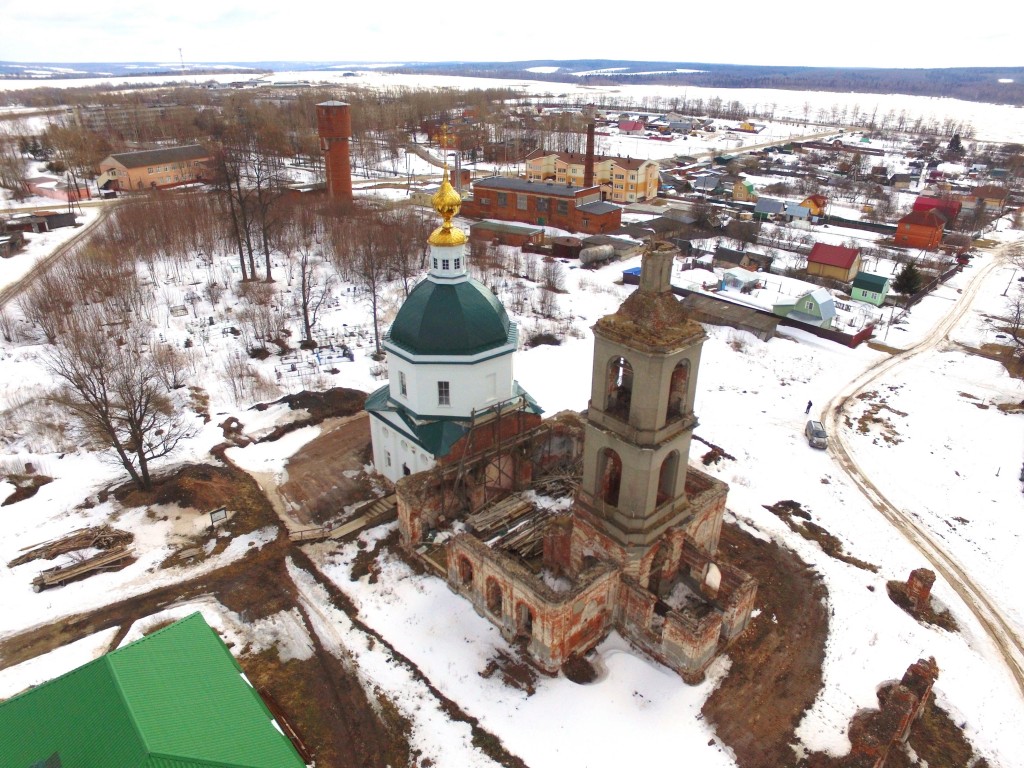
<point>870,288</point>
<point>815,204</point>
<point>154,168</point>
<point>920,229</point>
<point>573,208</point>
<point>768,209</point>
<point>743,191</point>
<point>816,307</point>
<point>622,179</point>
<point>175,697</point>
<point>993,198</point>
<point>834,262</point>
<point>947,206</point>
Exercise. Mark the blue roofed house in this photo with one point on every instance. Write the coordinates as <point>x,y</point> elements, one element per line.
<point>815,307</point>
<point>870,288</point>
<point>768,208</point>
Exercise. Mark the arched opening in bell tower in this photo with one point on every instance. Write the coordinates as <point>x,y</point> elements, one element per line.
<point>610,472</point>
<point>667,478</point>
<point>678,391</point>
<point>619,389</point>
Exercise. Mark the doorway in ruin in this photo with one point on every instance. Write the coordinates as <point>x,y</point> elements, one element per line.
<point>619,389</point>
<point>524,620</point>
<point>678,390</point>
<point>494,597</point>
<point>667,478</point>
<point>656,576</point>
<point>465,571</point>
<point>610,472</point>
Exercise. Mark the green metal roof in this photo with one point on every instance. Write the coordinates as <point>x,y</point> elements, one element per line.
<point>868,282</point>
<point>174,699</point>
<point>438,435</point>
<point>463,318</point>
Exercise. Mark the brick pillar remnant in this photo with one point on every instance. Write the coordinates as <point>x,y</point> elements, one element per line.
<point>919,588</point>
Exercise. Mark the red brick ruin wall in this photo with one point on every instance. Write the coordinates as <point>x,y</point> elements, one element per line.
<point>560,624</point>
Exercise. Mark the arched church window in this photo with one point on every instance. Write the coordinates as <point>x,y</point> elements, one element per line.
<point>667,478</point>
<point>610,472</point>
<point>619,389</point>
<point>678,392</point>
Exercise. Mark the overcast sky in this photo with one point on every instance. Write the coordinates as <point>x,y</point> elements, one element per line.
<point>893,33</point>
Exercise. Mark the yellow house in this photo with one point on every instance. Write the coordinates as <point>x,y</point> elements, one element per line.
<point>623,179</point>
<point>816,204</point>
<point>743,192</point>
<point>154,168</point>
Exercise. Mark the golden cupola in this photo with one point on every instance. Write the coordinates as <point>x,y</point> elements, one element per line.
<point>447,202</point>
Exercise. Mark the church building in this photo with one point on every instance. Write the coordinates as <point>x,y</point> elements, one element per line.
<point>638,552</point>
<point>449,356</point>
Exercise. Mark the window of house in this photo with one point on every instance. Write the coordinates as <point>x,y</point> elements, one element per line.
<point>542,204</point>
<point>619,176</point>
<point>435,263</point>
<point>485,201</point>
<point>563,207</point>
<point>402,387</point>
<point>810,305</point>
<point>502,199</point>
<point>444,393</point>
<point>618,186</point>
<point>149,170</point>
<point>632,177</point>
<point>458,263</point>
<point>521,202</point>
<point>445,264</point>
<point>387,458</point>
<point>575,172</point>
<point>586,222</point>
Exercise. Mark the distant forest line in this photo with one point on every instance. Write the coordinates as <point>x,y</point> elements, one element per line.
<point>968,83</point>
<point>979,84</point>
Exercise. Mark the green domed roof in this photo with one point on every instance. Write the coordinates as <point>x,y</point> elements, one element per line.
<point>463,318</point>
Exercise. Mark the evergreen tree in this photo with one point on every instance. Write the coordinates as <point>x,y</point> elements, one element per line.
<point>908,281</point>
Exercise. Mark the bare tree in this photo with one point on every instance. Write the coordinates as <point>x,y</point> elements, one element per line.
<point>314,289</point>
<point>114,394</point>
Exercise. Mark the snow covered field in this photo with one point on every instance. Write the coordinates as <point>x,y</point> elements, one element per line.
<point>993,122</point>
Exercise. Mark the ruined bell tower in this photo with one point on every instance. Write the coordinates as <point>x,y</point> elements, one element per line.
<point>640,418</point>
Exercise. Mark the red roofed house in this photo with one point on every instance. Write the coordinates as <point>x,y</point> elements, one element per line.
<point>920,229</point>
<point>816,204</point>
<point>834,262</point>
<point>631,127</point>
<point>947,206</point>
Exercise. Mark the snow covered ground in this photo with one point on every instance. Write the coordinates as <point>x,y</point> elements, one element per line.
<point>954,468</point>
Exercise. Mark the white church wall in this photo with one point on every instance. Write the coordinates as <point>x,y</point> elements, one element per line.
<point>394,452</point>
<point>478,385</point>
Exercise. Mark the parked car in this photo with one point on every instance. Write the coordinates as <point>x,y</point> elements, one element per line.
<point>816,435</point>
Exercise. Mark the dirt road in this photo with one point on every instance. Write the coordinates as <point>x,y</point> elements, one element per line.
<point>14,289</point>
<point>984,608</point>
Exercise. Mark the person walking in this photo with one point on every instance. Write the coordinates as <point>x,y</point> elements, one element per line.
<point>808,408</point>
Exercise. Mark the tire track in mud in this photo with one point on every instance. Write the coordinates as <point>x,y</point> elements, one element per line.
<point>980,604</point>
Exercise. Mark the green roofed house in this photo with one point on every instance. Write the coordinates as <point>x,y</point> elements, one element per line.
<point>870,288</point>
<point>174,699</point>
